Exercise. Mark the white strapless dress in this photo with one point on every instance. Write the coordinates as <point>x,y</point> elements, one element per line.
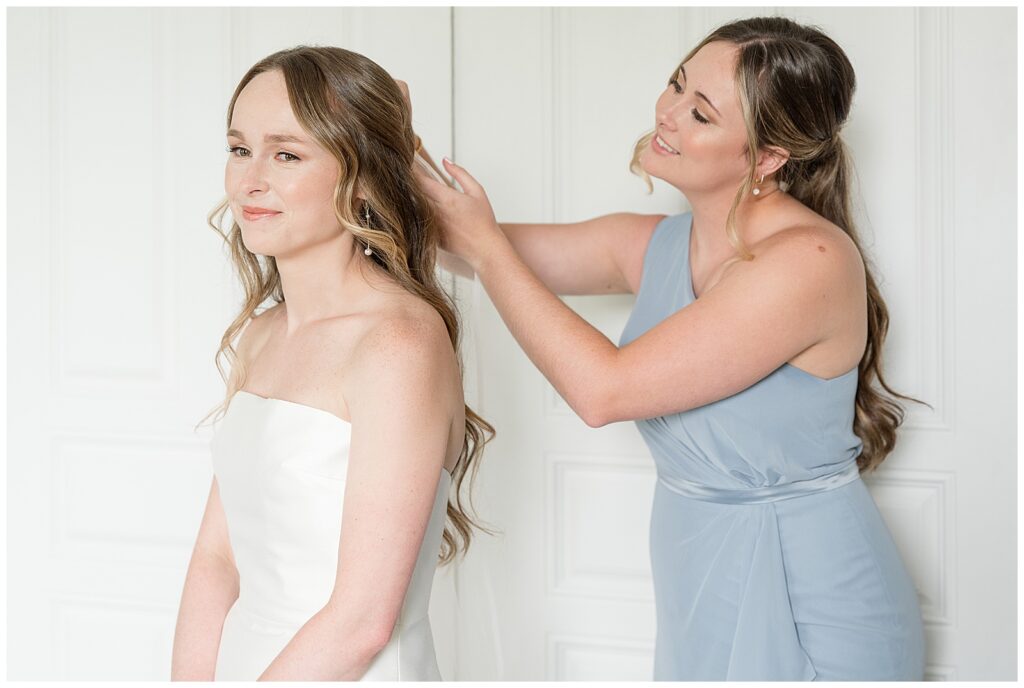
<point>281,469</point>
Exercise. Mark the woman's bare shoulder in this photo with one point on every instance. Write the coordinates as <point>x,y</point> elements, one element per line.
<point>818,238</point>
<point>405,329</point>
<point>405,351</point>
<point>823,258</point>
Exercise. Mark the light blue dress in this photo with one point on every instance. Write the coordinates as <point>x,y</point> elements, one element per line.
<point>770,559</point>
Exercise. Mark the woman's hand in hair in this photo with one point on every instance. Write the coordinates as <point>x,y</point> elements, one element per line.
<point>469,228</point>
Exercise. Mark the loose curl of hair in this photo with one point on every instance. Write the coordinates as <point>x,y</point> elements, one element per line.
<point>354,109</point>
<point>795,87</point>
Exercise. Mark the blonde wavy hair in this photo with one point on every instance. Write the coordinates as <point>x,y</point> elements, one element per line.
<point>795,87</point>
<point>355,110</point>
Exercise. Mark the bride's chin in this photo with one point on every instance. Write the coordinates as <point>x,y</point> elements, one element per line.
<point>256,248</point>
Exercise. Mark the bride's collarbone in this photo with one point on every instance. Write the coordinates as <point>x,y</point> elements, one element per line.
<point>301,370</point>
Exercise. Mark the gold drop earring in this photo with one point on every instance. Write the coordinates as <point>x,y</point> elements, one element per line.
<point>757,189</point>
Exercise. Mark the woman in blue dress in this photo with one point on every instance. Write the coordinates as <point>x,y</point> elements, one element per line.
<point>749,363</point>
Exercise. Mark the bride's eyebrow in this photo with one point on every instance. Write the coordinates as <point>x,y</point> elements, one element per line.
<point>699,94</point>
<point>271,138</point>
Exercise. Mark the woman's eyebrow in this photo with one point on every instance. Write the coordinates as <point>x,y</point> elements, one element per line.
<point>271,138</point>
<point>699,94</point>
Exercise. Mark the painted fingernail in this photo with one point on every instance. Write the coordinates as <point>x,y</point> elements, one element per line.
<point>449,160</point>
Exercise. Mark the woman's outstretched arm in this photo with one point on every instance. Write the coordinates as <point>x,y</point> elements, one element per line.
<point>603,255</point>
<point>727,340</point>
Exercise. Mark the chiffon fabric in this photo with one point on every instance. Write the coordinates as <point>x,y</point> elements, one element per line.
<point>770,559</point>
<point>281,469</point>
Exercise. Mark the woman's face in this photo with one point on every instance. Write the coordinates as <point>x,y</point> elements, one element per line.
<point>275,166</point>
<point>698,117</point>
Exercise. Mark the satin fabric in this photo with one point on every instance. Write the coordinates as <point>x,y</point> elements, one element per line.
<point>281,469</point>
<point>770,560</point>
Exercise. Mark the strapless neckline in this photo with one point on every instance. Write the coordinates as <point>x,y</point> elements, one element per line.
<point>282,472</point>
<point>319,411</point>
<point>336,417</point>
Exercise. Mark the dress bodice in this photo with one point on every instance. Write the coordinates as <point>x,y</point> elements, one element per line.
<point>281,469</point>
<point>789,426</point>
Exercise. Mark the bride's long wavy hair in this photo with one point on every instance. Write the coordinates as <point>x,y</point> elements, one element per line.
<point>795,86</point>
<point>355,110</point>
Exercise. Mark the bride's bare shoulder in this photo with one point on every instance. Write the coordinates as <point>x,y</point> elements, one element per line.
<point>406,346</point>
<point>408,329</point>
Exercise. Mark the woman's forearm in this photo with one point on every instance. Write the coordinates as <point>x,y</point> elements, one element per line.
<point>328,647</point>
<point>211,587</point>
<point>577,359</point>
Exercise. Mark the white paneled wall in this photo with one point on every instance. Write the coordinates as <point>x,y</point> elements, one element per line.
<point>119,293</point>
<point>594,551</point>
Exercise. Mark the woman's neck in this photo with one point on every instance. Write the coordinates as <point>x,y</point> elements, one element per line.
<point>326,280</point>
<point>710,217</point>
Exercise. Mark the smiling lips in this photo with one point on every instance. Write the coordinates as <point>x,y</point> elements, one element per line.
<point>664,147</point>
<point>253,213</point>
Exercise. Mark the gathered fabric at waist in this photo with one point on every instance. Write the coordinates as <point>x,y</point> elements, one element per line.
<point>762,495</point>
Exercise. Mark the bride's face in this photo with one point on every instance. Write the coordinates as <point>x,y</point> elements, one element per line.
<point>274,165</point>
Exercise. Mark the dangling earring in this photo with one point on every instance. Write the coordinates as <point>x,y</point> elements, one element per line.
<point>368,251</point>
<point>757,190</point>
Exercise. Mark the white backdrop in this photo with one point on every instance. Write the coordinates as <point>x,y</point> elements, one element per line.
<point>118,295</point>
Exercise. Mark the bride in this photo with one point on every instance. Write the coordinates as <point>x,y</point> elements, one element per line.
<point>344,429</point>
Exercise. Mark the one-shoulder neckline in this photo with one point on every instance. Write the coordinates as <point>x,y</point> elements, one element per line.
<point>688,265</point>
<point>319,411</point>
<point>693,297</point>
